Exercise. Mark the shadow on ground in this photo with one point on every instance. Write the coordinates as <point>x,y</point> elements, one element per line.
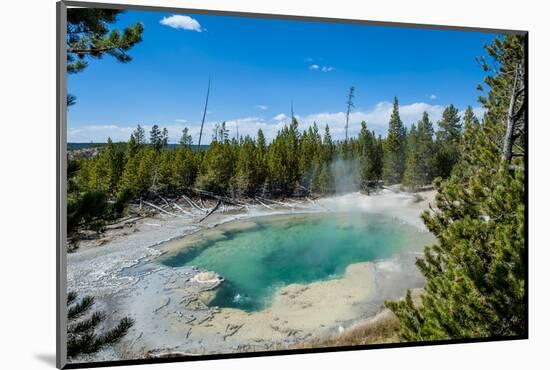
<point>46,358</point>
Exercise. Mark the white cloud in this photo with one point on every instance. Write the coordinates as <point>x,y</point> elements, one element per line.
<point>181,120</point>
<point>479,112</point>
<point>432,97</point>
<point>280,117</point>
<point>181,22</point>
<point>376,118</point>
<point>262,107</point>
<point>98,133</point>
<point>317,67</point>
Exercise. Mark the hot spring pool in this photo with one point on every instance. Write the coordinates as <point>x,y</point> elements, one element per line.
<point>275,251</point>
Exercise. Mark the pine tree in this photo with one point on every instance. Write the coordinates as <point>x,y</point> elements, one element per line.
<point>166,180</point>
<point>379,158</point>
<point>184,168</point>
<point>224,133</point>
<point>186,138</point>
<point>139,135</point>
<point>131,148</point>
<point>448,138</point>
<point>412,176</point>
<point>128,187</point>
<point>248,167</point>
<point>217,168</point>
<point>164,138</point>
<point>88,35</point>
<point>310,153</point>
<point>115,165</point>
<point>462,168</point>
<point>394,149</point>
<point>283,160</point>
<point>324,183</point>
<point>82,338</point>
<point>261,158</point>
<point>419,167</point>
<point>147,172</point>
<point>156,138</point>
<point>367,156</point>
<point>476,271</point>
<point>328,145</point>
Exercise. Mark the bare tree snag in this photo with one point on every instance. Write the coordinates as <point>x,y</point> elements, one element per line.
<point>514,116</point>
<point>212,211</point>
<point>204,113</point>
<point>349,108</point>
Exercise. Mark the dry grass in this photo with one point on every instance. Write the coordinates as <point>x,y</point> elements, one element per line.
<point>381,328</point>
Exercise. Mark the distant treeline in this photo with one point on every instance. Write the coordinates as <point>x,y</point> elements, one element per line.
<point>295,162</point>
<point>78,146</point>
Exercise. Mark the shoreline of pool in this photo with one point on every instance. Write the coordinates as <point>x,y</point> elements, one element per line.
<point>163,327</point>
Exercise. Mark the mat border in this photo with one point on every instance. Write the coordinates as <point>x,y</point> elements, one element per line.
<point>61,188</point>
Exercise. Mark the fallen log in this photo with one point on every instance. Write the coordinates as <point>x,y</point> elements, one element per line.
<point>202,203</point>
<point>164,200</point>
<point>212,211</point>
<point>219,197</point>
<point>193,204</point>
<point>277,202</point>
<point>263,204</point>
<point>235,329</point>
<point>122,222</point>
<point>182,210</point>
<point>160,209</point>
<point>162,306</point>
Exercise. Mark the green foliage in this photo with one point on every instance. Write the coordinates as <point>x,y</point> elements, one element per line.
<point>248,176</point>
<point>186,139</point>
<point>394,148</point>
<point>448,138</point>
<point>89,184</point>
<point>465,167</point>
<point>283,160</point>
<point>184,169</point>
<point>217,168</point>
<point>88,35</point>
<point>475,272</point>
<point>419,166</point>
<point>311,156</point>
<point>157,138</point>
<point>369,164</point>
<point>82,338</point>
<point>139,135</point>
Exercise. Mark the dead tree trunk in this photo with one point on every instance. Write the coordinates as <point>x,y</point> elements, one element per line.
<point>514,116</point>
<point>507,145</point>
<point>212,211</point>
<point>204,113</point>
<point>349,108</point>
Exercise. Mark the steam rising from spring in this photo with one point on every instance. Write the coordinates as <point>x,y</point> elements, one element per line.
<point>346,175</point>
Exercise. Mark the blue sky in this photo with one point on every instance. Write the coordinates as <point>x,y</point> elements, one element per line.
<point>258,66</point>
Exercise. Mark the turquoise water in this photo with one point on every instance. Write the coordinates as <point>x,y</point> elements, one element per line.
<point>257,261</point>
